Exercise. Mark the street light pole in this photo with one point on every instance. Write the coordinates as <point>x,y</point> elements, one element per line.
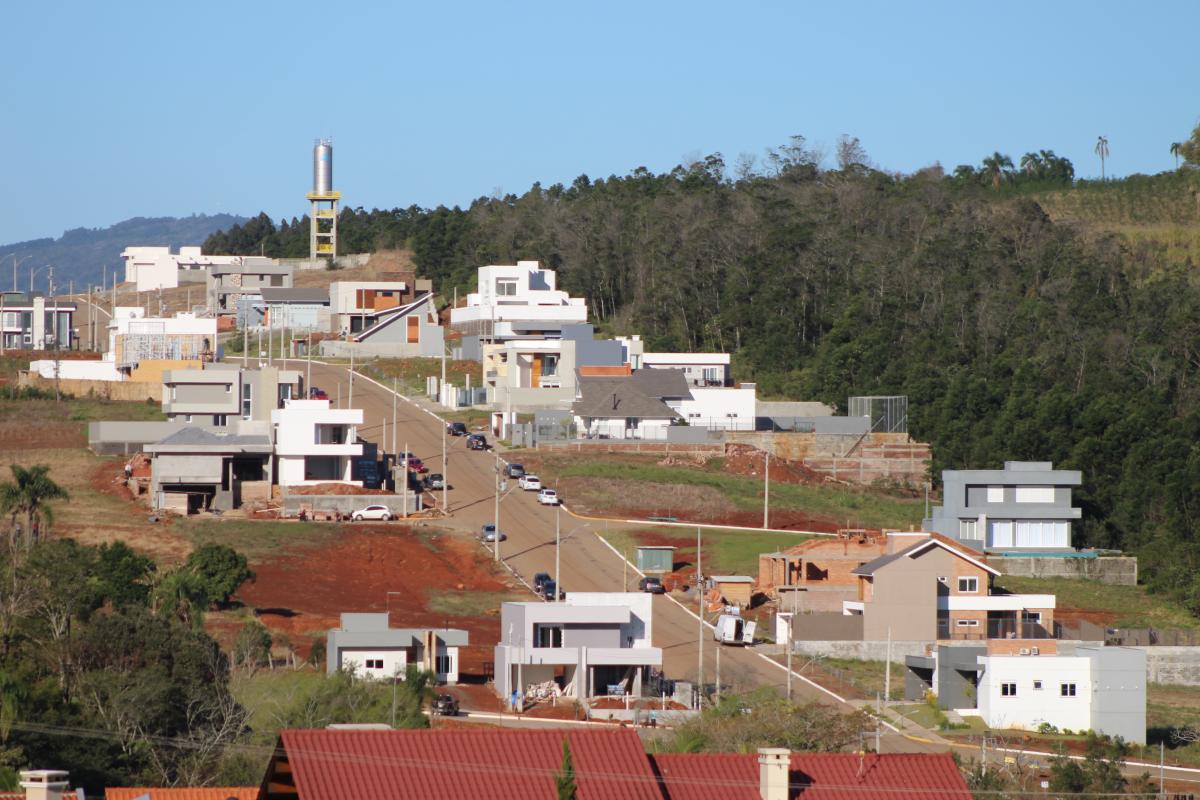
<point>700,604</point>
<point>557,546</point>
<point>496,517</point>
<point>766,489</point>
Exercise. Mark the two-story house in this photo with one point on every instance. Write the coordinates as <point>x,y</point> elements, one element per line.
<point>36,322</point>
<point>936,589</point>
<point>315,443</point>
<point>222,392</point>
<point>517,301</point>
<point>1026,506</point>
<point>232,288</point>
<point>356,306</point>
<point>592,644</point>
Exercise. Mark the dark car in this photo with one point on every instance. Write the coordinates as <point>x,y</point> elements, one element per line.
<point>456,428</point>
<point>652,584</point>
<point>477,441</point>
<point>445,706</point>
<point>434,480</point>
<point>514,470</point>
<point>539,580</point>
<point>317,394</point>
<point>549,590</point>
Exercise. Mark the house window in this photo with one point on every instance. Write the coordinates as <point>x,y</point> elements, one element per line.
<point>547,635</point>
<point>1008,690</point>
<point>1034,617</point>
<point>995,494</point>
<point>968,585</point>
<point>506,288</point>
<point>966,528</point>
<point>442,664</point>
<point>187,417</point>
<point>1037,685</point>
<point>1066,689</point>
<point>247,400</point>
<point>967,623</point>
<point>1035,494</point>
<point>550,365</point>
<point>374,663</point>
<point>220,420</point>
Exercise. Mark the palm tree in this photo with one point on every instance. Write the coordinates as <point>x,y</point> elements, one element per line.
<point>998,166</point>
<point>1175,148</point>
<point>1033,165</point>
<point>1102,151</point>
<point>29,494</point>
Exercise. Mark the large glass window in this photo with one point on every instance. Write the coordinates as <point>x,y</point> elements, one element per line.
<point>547,635</point>
<point>247,400</point>
<point>506,287</point>
<point>995,494</point>
<point>1035,494</point>
<point>1000,533</point>
<point>1042,533</point>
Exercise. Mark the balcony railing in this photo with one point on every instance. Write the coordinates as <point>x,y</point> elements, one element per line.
<point>997,629</point>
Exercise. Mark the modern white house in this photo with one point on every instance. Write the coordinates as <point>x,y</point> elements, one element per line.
<point>1102,689</point>
<point>315,443</point>
<point>367,645</point>
<point>1024,507</point>
<point>591,644</point>
<point>700,369</point>
<point>732,408</point>
<point>151,268</point>
<point>517,301</point>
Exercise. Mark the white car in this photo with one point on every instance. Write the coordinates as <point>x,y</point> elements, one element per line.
<point>530,483</point>
<point>372,512</point>
<point>548,497</point>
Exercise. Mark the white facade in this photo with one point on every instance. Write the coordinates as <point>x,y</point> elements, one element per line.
<point>518,301</point>
<point>700,369</point>
<point>151,268</point>
<point>731,409</point>
<point>1102,689</point>
<point>622,428</point>
<point>315,443</point>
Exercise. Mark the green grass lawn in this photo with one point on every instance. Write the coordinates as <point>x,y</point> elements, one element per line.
<point>255,539</point>
<point>410,373</point>
<point>462,603</point>
<point>268,693</point>
<point>1168,708</point>
<point>1133,605</point>
<point>744,493</point>
<point>724,552</point>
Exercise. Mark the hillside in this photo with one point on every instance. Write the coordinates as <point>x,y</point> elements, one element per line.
<point>82,254</point>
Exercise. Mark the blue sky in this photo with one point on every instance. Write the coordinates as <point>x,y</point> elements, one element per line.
<point>122,109</point>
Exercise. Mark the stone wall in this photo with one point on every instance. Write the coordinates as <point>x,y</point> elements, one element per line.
<point>1117,570</point>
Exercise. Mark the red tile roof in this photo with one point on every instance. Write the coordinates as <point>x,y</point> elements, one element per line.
<point>182,793</point>
<point>466,764</point>
<point>818,776</point>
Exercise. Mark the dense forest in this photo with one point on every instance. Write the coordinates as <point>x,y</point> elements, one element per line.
<point>1013,336</point>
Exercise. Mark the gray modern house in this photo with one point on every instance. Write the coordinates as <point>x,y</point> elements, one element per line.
<point>367,645</point>
<point>225,392</point>
<point>1024,507</point>
<point>199,468</point>
<point>593,643</point>
<point>226,284</point>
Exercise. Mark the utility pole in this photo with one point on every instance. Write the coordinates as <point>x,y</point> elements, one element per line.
<point>791,639</point>
<point>887,670</point>
<point>496,517</point>
<point>406,480</point>
<point>718,694</point>
<point>445,454</point>
<point>766,488</point>
<point>393,416</point>
<point>350,399</point>
<point>700,641</point>
<point>557,545</point>
<point>54,325</point>
<point>308,355</point>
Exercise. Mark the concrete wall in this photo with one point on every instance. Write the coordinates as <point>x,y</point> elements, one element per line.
<point>630,446</point>
<point>336,348</point>
<point>862,651</point>
<point>1177,666</point>
<point>109,390</point>
<point>347,503</point>
<point>828,627</point>
<point>1116,570</point>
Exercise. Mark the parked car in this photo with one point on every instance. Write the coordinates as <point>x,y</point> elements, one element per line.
<point>539,580</point>
<point>414,464</point>
<point>445,706</point>
<point>514,470</point>
<point>652,584</point>
<point>549,590</point>
<point>477,441</point>
<point>488,533</point>
<point>456,428</point>
<point>317,394</point>
<point>548,497</point>
<point>372,512</point>
<point>434,480</point>
<point>530,483</point>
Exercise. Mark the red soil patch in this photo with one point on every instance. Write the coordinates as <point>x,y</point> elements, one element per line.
<point>19,434</point>
<point>303,593</point>
<point>742,459</point>
<point>334,488</point>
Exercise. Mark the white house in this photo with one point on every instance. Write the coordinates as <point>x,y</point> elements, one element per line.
<point>1102,689</point>
<point>720,408</point>
<point>315,443</point>
<point>700,369</point>
<point>150,268</point>
<point>367,645</point>
<point>591,644</point>
<point>517,302</point>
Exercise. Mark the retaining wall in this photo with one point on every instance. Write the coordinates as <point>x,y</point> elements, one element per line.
<point>627,446</point>
<point>1177,666</point>
<point>109,390</point>
<point>320,504</point>
<point>1117,570</point>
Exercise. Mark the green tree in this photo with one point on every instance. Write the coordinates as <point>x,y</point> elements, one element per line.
<point>29,495</point>
<point>745,722</point>
<point>123,575</point>
<point>1176,147</point>
<point>997,168</point>
<point>344,698</point>
<point>564,782</point>
<point>252,647</point>
<point>1101,150</point>
<point>220,569</point>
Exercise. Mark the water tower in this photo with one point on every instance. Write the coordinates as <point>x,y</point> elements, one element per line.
<point>322,241</point>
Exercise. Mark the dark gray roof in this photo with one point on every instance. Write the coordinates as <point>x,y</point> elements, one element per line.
<point>662,383</point>
<point>303,295</point>
<point>617,397</point>
<point>870,567</point>
<point>958,549</point>
<point>197,438</point>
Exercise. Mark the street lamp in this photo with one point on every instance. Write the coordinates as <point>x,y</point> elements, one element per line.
<point>32,273</point>
<point>15,263</point>
<point>558,539</point>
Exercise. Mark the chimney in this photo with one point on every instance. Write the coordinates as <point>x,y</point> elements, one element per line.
<point>774,769</point>
<point>44,784</point>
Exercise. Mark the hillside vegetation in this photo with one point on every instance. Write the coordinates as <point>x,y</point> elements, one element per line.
<point>1014,336</point>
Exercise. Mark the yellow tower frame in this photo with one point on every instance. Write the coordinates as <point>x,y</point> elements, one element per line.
<point>322,241</point>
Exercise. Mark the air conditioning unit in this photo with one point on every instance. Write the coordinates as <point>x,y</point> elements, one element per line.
<point>1036,651</point>
<point>1023,651</point>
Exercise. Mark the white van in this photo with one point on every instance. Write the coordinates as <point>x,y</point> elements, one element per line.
<point>732,629</point>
